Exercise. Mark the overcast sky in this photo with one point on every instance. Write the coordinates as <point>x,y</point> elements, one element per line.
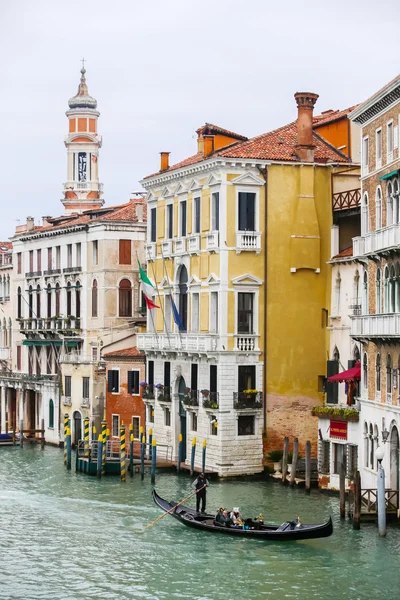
<point>159,69</point>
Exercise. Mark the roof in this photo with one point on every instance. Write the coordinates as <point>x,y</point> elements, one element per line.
<point>390,91</point>
<point>210,129</point>
<point>132,352</point>
<point>347,252</point>
<point>121,213</point>
<point>279,144</point>
<point>5,247</point>
<point>330,116</point>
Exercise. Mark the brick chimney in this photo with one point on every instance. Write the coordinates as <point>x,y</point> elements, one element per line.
<point>305,107</point>
<point>30,223</point>
<point>208,144</point>
<point>164,161</point>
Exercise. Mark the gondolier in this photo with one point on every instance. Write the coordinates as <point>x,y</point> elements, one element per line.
<point>200,485</point>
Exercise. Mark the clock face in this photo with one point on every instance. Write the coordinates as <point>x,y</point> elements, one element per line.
<point>82,164</point>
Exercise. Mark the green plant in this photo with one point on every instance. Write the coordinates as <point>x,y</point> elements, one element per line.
<point>336,412</point>
<point>290,457</point>
<point>275,455</point>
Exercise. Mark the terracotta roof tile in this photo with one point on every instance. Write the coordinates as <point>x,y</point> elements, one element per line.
<point>5,246</point>
<point>210,129</point>
<point>345,253</point>
<point>132,352</point>
<point>331,116</point>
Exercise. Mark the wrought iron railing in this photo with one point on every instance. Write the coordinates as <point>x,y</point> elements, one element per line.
<point>243,400</point>
<point>210,400</point>
<point>191,398</point>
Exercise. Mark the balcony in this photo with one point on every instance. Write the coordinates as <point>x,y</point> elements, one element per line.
<point>72,270</point>
<point>346,200</point>
<point>53,324</point>
<point>75,358</point>
<point>212,240</point>
<point>247,400</point>
<point>50,272</point>
<point>378,241</point>
<point>66,400</point>
<point>194,243</point>
<point>248,241</point>
<point>246,343</point>
<point>148,392</point>
<point>31,274</point>
<point>84,185</point>
<point>4,298</point>
<point>190,399</point>
<point>383,326</point>
<point>151,251</point>
<point>355,307</point>
<point>180,246</point>
<point>5,353</point>
<point>166,247</point>
<point>163,393</point>
<point>358,246</point>
<point>178,343</point>
<point>210,400</point>
<point>85,403</point>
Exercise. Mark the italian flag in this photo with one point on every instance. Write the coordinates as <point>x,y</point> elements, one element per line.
<point>147,289</point>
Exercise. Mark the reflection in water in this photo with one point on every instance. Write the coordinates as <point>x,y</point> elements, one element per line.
<point>71,537</point>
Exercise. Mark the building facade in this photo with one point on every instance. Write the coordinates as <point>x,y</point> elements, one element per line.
<point>7,410</point>
<point>377,328</point>
<point>239,239</point>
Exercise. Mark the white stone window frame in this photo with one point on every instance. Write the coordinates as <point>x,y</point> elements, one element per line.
<point>365,155</point>
<point>112,424</point>
<point>119,381</point>
<point>194,287</point>
<point>246,413</point>
<point>389,154</point>
<point>196,194</point>
<point>136,417</point>
<point>215,189</point>
<point>252,288</point>
<point>151,203</point>
<point>183,198</point>
<point>169,202</point>
<point>378,207</point>
<point>378,146</point>
<point>138,394</point>
<point>253,189</point>
<point>364,214</point>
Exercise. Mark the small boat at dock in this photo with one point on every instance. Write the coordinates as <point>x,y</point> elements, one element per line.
<point>288,531</point>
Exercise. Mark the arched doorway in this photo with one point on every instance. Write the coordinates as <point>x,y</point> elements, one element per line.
<point>77,418</point>
<point>182,415</point>
<point>183,296</point>
<point>394,459</point>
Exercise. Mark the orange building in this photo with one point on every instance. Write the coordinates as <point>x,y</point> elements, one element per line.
<point>126,370</point>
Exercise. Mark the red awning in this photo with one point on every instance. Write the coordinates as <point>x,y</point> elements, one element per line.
<point>353,374</point>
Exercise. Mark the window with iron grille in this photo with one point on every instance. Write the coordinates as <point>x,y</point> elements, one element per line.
<point>67,386</point>
<point>133,382</point>
<point>115,426</point>
<point>136,427</point>
<point>85,387</point>
<point>324,457</point>
<point>167,414</point>
<point>246,425</point>
<point>352,460</point>
<point>194,422</point>
<point>151,414</point>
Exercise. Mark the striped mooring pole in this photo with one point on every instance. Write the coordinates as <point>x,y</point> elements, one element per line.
<point>104,448</point>
<point>99,455</point>
<point>142,449</point>
<point>193,455</point>
<point>122,454</point>
<point>66,425</point>
<point>86,422</point>
<point>131,467</point>
<point>150,442</point>
<point>68,437</point>
<point>153,460</point>
<point>203,461</point>
<point>178,464</point>
<point>94,433</point>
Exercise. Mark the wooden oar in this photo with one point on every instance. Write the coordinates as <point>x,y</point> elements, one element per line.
<point>174,507</point>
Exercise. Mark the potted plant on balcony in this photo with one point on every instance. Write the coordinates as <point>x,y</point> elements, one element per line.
<point>275,456</point>
<point>250,394</point>
<point>208,400</point>
<point>147,390</point>
<point>163,393</point>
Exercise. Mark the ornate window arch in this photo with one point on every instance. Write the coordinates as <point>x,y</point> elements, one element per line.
<point>364,299</point>
<point>364,214</point>
<point>38,301</point>
<point>378,289</point>
<point>396,202</point>
<point>366,444</point>
<point>386,291</point>
<point>125,298</point>
<point>378,375</point>
<point>378,207</point>
<point>389,204</point>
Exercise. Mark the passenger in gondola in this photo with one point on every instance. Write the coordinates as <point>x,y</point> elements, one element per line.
<point>223,518</point>
<point>236,517</point>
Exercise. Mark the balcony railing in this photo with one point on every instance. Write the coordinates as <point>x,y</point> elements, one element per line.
<point>148,392</point>
<point>248,240</point>
<point>180,246</point>
<point>5,353</point>
<point>76,269</point>
<point>210,400</point>
<point>190,398</point>
<point>151,251</point>
<point>247,400</point>
<point>166,246</point>
<point>75,358</point>
<point>4,298</point>
<point>358,246</point>
<point>164,394</point>
<point>355,307</point>
<point>382,238</point>
<point>212,240</point>
<point>190,342</point>
<point>53,324</point>
<point>84,185</point>
<point>346,200</point>
<point>246,343</point>
<point>194,243</point>
<point>378,326</point>
<point>52,272</point>
<point>33,274</point>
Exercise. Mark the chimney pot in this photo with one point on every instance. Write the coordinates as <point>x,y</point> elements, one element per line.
<point>208,144</point>
<point>139,212</point>
<point>164,161</point>
<point>30,223</point>
<point>305,107</point>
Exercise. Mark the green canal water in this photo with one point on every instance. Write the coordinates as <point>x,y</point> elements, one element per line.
<point>68,536</point>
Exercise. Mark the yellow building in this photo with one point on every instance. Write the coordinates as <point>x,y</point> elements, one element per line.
<point>215,250</point>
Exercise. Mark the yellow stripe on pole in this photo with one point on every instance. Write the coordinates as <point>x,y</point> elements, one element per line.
<point>180,437</point>
<point>204,443</point>
<point>154,443</point>
<point>194,441</point>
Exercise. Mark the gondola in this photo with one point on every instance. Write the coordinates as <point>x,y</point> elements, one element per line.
<point>288,531</point>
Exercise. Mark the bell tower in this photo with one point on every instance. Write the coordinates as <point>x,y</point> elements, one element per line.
<point>82,190</point>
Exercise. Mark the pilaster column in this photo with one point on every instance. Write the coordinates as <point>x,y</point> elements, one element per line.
<point>3,409</point>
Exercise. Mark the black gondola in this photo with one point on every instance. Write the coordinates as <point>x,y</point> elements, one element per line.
<point>287,531</point>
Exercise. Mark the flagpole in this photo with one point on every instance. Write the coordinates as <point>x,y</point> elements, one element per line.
<point>169,285</point>
<point>159,299</point>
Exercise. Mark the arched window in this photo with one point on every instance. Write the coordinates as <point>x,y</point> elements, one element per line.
<point>58,299</point>
<point>51,414</point>
<point>78,300</point>
<point>397,287</point>
<point>30,301</point>
<point>5,341</point>
<point>389,374</point>
<point>356,354</point>
<point>364,303</point>
<point>392,290</point>
<point>378,292</point>
<point>19,303</point>
<point>396,202</point>
<point>183,296</point>
<point>389,204</point>
<point>38,303</point>
<point>94,298</point>
<point>8,287</point>
<point>336,354</point>
<point>366,444</point>
<point>371,446</point>
<point>356,289</point>
<point>387,291</point>
<point>378,376</point>
<point>364,215</point>
<point>378,207</point>
<point>48,294</point>
<point>125,298</point>
<point>337,295</point>
<point>69,299</point>
<point>365,371</point>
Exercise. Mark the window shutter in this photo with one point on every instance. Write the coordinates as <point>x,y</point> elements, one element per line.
<point>351,364</point>
<point>161,223</point>
<point>332,367</point>
<point>130,382</point>
<point>110,380</point>
<point>125,257</point>
<point>324,457</point>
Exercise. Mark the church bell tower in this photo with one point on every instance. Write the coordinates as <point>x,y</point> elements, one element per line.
<point>82,190</point>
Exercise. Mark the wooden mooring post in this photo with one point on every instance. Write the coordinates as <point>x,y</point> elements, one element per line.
<point>193,456</point>
<point>342,490</point>
<point>294,461</point>
<point>69,449</point>
<point>142,451</point>
<point>153,460</point>
<point>284,459</point>
<point>42,439</point>
<point>357,501</point>
<point>178,464</point>
<point>131,438</point>
<point>99,455</point>
<point>308,467</point>
<point>21,435</point>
